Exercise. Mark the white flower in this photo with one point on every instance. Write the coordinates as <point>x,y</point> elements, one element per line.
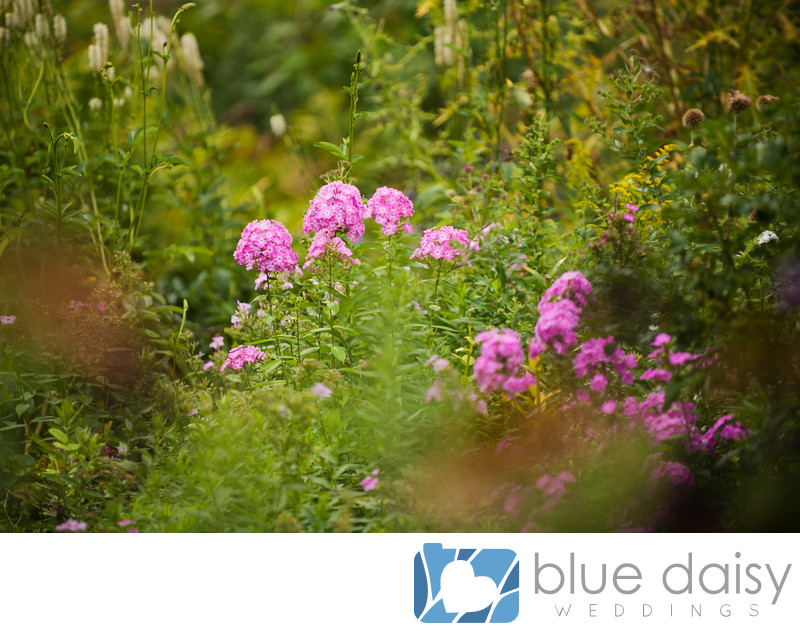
<point>767,236</point>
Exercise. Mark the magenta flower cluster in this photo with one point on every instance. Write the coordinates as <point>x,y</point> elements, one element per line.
<point>389,207</point>
<point>500,365</point>
<point>336,206</point>
<point>241,355</point>
<point>445,243</point>
<point>594,361</point>
<point>559,314</point>
<point>267,246</point>
<point>72,525</point>
<point>554,488</point>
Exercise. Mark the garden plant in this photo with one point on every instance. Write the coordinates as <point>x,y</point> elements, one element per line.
<point>535,268</point>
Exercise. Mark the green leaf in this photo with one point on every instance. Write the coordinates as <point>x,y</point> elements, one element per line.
<point>59,435</point>
<point>331,149</point>
<point>339,353</point>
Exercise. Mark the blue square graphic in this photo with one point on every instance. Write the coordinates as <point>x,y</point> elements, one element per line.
<point>465,584</point>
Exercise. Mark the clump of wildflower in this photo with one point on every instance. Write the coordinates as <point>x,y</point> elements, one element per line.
<point>725,427</point>
<point>673,472</point>
<point>679,419</point>
<point>241,355</point>
<point>192,61</point>
<point>320,390</point>
<point>216,342</point>
<point>98,52</point>
<point>500,363</point>
<point>692,118</point>
<point>277,123</point>
<point>559,314</point>
<point>737,101</point>
<point>337,206</point>
<point>389,207</point>
<point>337,248</point>
<point>266,245</point>
<point>9,319</point>
<point>766,237</point>
<point>208,365</point>
<point>370,482</point>
<point>72,525</point>
<point>554,488</point>
<point>60,28</point>
<point>445,243</point>
<point>765,99</point>
<point>438,363</point>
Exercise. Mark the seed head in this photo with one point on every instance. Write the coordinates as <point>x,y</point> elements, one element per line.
<point>765,99</point>
<point>692,118</point>
<point>737,101</point>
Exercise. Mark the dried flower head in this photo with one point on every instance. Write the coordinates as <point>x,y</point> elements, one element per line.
<point>765,99</point>
<point>737,101</point>
<point>692,118</point>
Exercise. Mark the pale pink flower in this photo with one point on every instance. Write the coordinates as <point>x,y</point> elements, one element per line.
<point>370,482</point>
<point>10,319</point>
<point>389,207</point>
<point>320,390</point>
<point>72,525</point>
<point>445,243</point>
<point>241,355</point>
<point>217,342</point>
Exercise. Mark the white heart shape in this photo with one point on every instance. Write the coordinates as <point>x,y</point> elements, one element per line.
<point>462,591</point>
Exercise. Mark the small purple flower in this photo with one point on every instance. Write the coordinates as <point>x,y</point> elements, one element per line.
<point>370,482</point>
<point>661,339</point>
<point>72,525</point>
<point>320,390</point>
<point>656,374</point>
<point>608,407</point>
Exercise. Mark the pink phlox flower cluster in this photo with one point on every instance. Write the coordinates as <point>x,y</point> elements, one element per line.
<point>679,419</point>
<point>370,482</point>
<point>656,374</point>
<point>72,525</point>
<point>438,363</point>
<point>554,488</point>
<point>557,323</point>
<point>515,495</point>
<point>217,342</point>
<point>445,243</point>
<point>591,355</point>
<point>500,363</point>
<point>673,472</point>
<point>389,207</point>
<point>435,392</point>
<point>267,246</point>
<point>241,355</point>
<point>571,285</point>
<point>678,359</point>
<point>9,319</point>
<point>507,442</point>
<point>560,313</point>
<point>336,206</point>
<point>208,365</point>
<point>337,248</point>
<point>725,427</point>
<point>608,407</point>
